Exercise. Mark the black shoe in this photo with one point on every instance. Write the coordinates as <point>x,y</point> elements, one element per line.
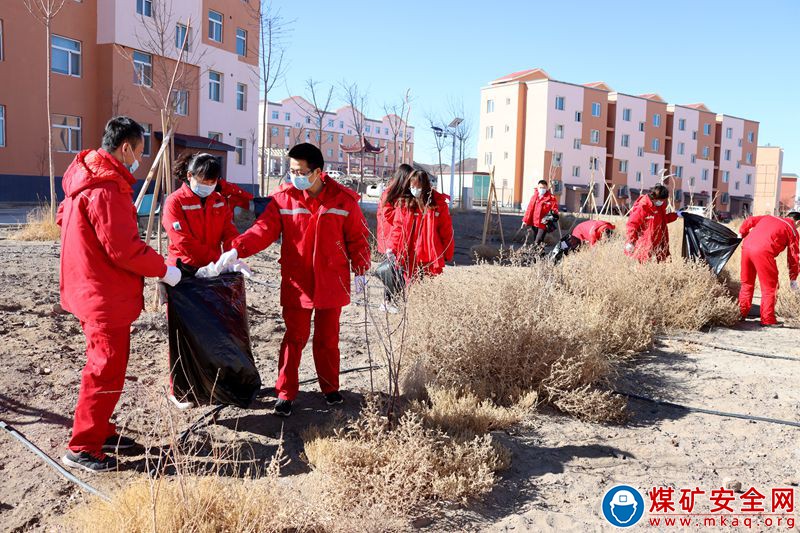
<point>90,462</point>
<point>283,407</point>
<point>115,443</point>
<point>775,325</point>
<point>334,398</point>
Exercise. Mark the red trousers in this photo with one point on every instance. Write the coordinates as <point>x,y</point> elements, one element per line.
<point>759,263</point>
<point>325,349</point>
<point>107,350</point>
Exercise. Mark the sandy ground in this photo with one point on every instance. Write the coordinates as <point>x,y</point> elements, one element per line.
<point>561,467</point>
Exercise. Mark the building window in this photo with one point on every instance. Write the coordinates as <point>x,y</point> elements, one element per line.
<point>593,163</point>
<point>508,101</point>
<point>576,144</point>
<point>639,177</point>
<point>625,140</point>
<point>241,97</point>
<point>330,123</point>
<point>705,174</point>
<point>142,69</point>
<point>682,124</point>
<point>557,157</point>
<point>341,155</point>
<point>654,169</point>
<point>287,117</point>
<point>559,131</point>
<point>2,48</point>
<point>736,185</point>
<point>694,135</point>
<point>489,132</point>
<point>595,109</point>
<point>341,124</point>
<point>274,115</point>
<point>640,151</point>
<point>214,86</point>
<point>215,26</point>
<point>595,136</point>
<point>182,37</point>
<point>180,102</point>
<point>330,137</point>
<point>738,165</point>
<point>578,116</point>
<point>505,155</point>
<point>681,148</point>
<point>626,114</point>
<point>67,133</point>
<point>273,131</point>
<point>751,137</point>
<point>287,132</point>
<point>148,135</point>
<point>749,158</point>
<point>560,103</point>
<point>144,8</point>
<point>748,179</point>
<point>487,159</point>
<point>691,181</point>
<point>489,106</point>
<point>367,128</point>
<point>241,42</point>
<point>641,126</point>
<point>241,151</point>
<point>726,175</point>
<point>215,136</point>
<point>706,129</point>
<point>727,155</point>
<point>623,166</point>
<point>694,158</point>
<point>656,144</point>
<point>341,138</point>
<point>657,119</point>
<point>2,125</point>
<point>729,133</point>
<point>705,152</point>
<point>66,56</point>
<point>679,171</point>
<point>576,172</point>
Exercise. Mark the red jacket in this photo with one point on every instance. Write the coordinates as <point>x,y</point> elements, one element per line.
<point>198,232</point>
<point>647,229</point>
<point>423,240</point>
<point>592,231</point>
<point>538,208</point>
<point>385,220</point>
<point>773,235</point>
<point>322,239</point>
<point>103,260</point>
<point>234,195</point>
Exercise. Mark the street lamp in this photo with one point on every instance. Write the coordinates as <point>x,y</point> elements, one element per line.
<point>452,126</point>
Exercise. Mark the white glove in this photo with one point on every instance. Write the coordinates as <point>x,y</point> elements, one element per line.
<point>629,247</point>
<point>240,266</point>
<point>679,214</point>
<point>794,285</point>
<point>360,284</point>
<point>741,236</point>
<point>172,277</point>
<point>208,271</point>
<point>227,259</point>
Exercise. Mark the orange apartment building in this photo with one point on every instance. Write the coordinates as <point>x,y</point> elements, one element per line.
<point>590,139</point>
<point>104,64</point>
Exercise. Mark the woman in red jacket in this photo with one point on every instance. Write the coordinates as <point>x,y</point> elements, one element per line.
<point>647,231</point>
<point>422,231</point>
<point>542,203</point>
<point>387,204</point>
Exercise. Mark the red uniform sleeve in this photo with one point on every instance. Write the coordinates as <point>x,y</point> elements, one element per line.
<point>748,225</point>
<point>60,214</point>
<point>444,227</point>
<point>793,256</point>
<point>356,240</point>
<point>595,234</point>
<point>395,242</point>
<point>264,232</point>
<point>635,222</point>
<point>671,217</point>
<point>528,218</point>
<point>111,214</point>
<point>229,232</point>
<point>189,246</point>
<point>554,204</point>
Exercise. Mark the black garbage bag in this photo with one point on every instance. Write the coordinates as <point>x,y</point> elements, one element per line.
<point>709,241</point>
<point>565,246</point>
<point>390,273</point>
<point>550,220</point>
<point>210,357</point>
<point>260,204</point>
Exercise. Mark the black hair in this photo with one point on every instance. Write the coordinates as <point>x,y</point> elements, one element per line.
<point>205,166</point>
<point>794,215</point>
<point>542,182</point>
<point>309,153</point>
<point>425,183</point>
<point>658,192</point>
<point>399,179</point>
<point>120,130</point>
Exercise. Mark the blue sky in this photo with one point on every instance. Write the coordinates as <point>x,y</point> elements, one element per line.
<point>739,58</point>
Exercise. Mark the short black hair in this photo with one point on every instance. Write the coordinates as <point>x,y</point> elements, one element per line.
<point>542,182</point>
<point>205,166</point>
<point>120,130</point>
<point>309,153</point>
<point>794,215</point>
<point>659,192</point>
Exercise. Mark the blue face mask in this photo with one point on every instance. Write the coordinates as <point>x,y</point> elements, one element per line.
<point>133,166</point>
<point>301,182</point>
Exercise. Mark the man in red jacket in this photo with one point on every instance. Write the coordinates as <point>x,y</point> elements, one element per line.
<point>592,231</point>
<point>542,203</point>
<point>103,266</point>
<point>647,231</point>
<point>765,237</point>
<point>323,236</point>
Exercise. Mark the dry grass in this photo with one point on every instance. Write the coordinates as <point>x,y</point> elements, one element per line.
<point>40,227</point>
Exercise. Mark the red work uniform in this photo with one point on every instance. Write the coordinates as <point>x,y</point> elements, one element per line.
<point>422,240</point>
<point>647,230</point>
<point>199,229</point>
<point>385,217</point>
<point>103,265</point>
<point>765,238</point>
<point>592,231</point>
<point>322,240</point>
<point>538,208</point>
<point>234,195</point>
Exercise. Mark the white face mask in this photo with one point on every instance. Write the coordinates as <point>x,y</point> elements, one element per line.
<point>658,203</point>
<point>542,190</point>
<point>416,192</point>
<point>302,182</point>
<point>201,190</point>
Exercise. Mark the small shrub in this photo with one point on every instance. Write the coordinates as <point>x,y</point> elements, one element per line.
<point>39,227</point>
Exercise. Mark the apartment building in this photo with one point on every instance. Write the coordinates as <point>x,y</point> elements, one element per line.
<point>294,120</point>
<point>590,139</point>
<point>116,57</point>
<point>769,168</point>
<point>788,193</point>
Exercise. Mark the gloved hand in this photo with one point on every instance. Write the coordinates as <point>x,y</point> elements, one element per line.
<point>740,235</point>
<point>227,259</point>
<point>240,266</point>
<point>629,247</point>
<point>172,277</point>
<point>208,271</point>
<point>360,283</point>
<point>679,213</point>
<point>794,285</point>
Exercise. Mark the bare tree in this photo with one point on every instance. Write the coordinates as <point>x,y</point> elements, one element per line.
<point>44,11</point>
<point>320,105</point>
<point>117,100</point>
<point>356,99</point>
<point>397,122</point>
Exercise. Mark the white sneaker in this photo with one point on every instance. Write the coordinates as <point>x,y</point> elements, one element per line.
<point>389,308</point>
<point>179,404</point>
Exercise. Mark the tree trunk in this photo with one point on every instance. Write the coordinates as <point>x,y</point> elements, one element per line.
<point>50,129</point>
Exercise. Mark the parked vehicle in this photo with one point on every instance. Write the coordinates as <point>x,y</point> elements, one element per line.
<point>375,190</point>
<point>335,174</point>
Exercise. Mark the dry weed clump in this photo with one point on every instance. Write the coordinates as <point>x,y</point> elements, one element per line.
<point>399,469</point>
<point>39,227</point>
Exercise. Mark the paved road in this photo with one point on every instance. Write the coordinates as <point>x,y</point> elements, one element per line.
<point>14,213</point>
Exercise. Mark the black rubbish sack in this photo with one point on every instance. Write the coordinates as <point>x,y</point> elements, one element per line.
<point>210,357</point>
<point>565,246</point>
<point>390,273</point>
<point>260,204</point>
<point>709,241</point>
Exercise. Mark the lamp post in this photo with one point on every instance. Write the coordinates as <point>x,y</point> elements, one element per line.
<point>452,127</point>
<point>440,133</point>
